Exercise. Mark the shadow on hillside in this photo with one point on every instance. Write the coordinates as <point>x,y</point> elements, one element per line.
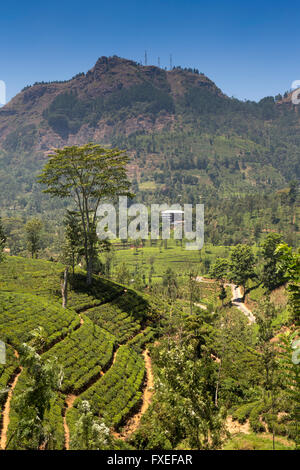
<point>106,291</point>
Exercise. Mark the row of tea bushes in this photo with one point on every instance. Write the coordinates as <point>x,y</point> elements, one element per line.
<point>7,371</point>
<point>42,278</point>
<point>36,276</point>
<point>83,355</point>
<point>118,393</point>
<point>14,417</point>
<point>53,422</point>
<point>139,341</point>
<point>114,320</point>
<point>21,313</point>
<point>122,317</point>
<point>100,291</point>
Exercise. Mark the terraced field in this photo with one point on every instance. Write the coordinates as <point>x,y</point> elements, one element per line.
<point>118,392</point>
<point>21,313</point>
<point>83,354</point>
<point>6,373</point>
<point>123,317</point>
<point>85,339</point>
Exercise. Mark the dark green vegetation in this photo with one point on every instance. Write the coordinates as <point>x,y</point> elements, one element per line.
<point>75,342</point>
<point>86,175</point>
<point>83,355</point>
<point>210,365</point>
<point>118,392</point>
<point>21,313</point>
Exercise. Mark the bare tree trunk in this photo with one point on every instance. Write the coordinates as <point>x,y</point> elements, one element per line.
<point>218,383</point>
<point>89,269</point>
<point>64,289</point>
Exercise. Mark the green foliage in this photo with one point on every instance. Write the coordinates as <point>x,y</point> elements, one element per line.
<point>87,174</point>
<point>242,265</point>
<point>73,247</point>
<point>33,234</point>
<point>90,433</point>
<point>290,375</point>
<point>272,275</point>
<point>242,413</point>
<point>256,442</point>
<point>6,373</point>
<point>290,263</point>
<point>169,282</point>
<point>118,393</point>
<point>2,240</point>
<point>123,274</point>
<point>83,354</point>
<point>183,406</point>
<point>43,380</point>
<point>21,313</point>
<point>121,317</point>
<point>139,341</point>
<point>219,270</point>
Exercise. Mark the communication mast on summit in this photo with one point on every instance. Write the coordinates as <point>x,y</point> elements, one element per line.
<point>145,57</point>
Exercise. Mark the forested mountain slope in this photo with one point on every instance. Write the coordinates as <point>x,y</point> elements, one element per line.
<point>183,134</point>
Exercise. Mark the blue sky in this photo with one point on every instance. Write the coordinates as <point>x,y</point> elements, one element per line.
<point>248,48</point>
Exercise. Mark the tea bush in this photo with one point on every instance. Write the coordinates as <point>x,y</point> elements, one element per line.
<point>118,393</point>
<point>83,355</point>
<point>21,313</point>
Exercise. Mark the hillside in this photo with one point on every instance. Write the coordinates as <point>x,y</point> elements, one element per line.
<point>177,127</point>
<point>102,327</point>
<point>127,355</point>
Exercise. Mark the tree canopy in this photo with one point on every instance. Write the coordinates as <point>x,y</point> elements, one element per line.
<point>88,174</point>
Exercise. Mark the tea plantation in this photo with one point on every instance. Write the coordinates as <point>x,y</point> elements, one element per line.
<point>85,339</point>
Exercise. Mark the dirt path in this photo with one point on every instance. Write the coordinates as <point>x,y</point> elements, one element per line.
<point>69,403</point>
<point>237,302</point>
<point>234,427</point>
<point>6,410</point>
<point>236,298</point>
<point>134,422</point>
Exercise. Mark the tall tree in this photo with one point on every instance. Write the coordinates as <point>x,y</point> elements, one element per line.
<point>88,174</point>
<point>242,266</point>
<point>170,284</point>
<point>73,247</point>
<point>290,263</point>
<point>273,273</point>
<point>219,271</point>
<point>33,230</point>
